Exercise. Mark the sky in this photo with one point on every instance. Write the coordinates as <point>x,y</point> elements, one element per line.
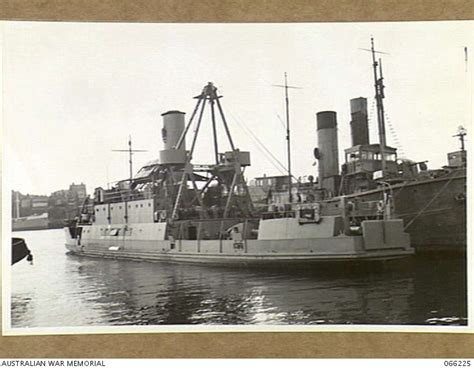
<point>73,92</point>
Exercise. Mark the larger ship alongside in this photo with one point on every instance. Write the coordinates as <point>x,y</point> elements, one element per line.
<point>432,203</point>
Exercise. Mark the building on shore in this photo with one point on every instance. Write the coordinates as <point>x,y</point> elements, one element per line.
<point>52,210</point>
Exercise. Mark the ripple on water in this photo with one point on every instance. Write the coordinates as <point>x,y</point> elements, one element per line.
<point>63,290</point>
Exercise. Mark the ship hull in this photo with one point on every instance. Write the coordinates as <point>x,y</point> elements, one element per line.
<point>19,250</point>
<point>247,260</point>
<point>433,211</point>
<point>230,252</point>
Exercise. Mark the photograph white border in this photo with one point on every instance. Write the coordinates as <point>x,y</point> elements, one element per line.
<point>8,330</point>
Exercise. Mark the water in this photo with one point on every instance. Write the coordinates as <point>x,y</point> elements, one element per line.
<point>62,290</point>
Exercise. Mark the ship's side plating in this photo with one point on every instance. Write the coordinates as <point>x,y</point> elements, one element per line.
<point>433,211</point>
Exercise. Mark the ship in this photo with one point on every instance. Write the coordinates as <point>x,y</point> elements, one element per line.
<point>20,251</point>
<point>431,203</point>
<point>174,210</point>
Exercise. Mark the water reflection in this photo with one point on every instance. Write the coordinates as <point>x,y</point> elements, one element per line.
<point>142,293</point>
<point>77,291</point>
<point>441,285</point>
<point>22,310</point>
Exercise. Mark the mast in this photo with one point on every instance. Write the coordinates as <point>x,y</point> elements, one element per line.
<point>466,63</point>
<point>288,141</point>
<point>461,133</point>
<point>379,96</point>
<point>130,160</point>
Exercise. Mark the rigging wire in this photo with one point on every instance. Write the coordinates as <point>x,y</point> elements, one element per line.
<point>391,128</point>
<point>281,121</point>
<point>370,118</point>
<point>394,135</point>
<point>269,155</point>
<point>260,146</point>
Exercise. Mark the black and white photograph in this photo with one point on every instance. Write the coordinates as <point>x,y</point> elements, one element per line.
<point>162,177</point>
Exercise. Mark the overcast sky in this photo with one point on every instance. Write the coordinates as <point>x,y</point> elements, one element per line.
<point>73,92</point>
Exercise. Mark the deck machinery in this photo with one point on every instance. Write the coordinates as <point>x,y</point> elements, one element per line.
<point>180,190</point>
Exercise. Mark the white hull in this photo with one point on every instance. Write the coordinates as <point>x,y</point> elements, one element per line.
<point>339,248</point>
<point>220,259</point>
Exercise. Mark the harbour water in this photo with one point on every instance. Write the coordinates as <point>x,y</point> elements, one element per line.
<point>61,290</point>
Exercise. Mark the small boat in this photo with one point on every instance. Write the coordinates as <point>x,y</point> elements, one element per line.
<point>20,250</point>
<point>177,211</point>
